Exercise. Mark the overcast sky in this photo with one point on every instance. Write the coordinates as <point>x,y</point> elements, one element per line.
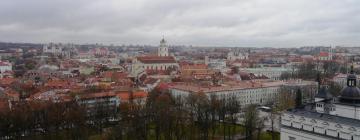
<point>243,23</point>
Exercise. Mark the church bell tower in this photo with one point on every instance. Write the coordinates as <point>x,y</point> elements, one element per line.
<point>163,50</point>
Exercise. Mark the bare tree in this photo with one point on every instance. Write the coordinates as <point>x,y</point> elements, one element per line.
<point>234,108</point>
<point>251,121</point>
<point>214,111</point>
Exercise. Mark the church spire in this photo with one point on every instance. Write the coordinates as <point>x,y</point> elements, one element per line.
<point>162,40</point>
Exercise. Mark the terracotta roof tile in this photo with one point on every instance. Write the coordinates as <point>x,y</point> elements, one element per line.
<point>323,54</point>
<point>126,96</point>
<point>156,59</point>
<point>97,95</point>
<point>7,81</point>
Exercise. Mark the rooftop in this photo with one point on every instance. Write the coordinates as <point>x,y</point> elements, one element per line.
<point>323,54</point>
<point>97,95</point>
<point>325,117</point>
<point>136,95</point>
<point>156,59</point>
<point>2,63</point>
<point>228,86</point>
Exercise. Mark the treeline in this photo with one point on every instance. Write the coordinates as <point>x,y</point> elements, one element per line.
<point>312,70</point>
<point>162,117</point>
<point>31,118</point>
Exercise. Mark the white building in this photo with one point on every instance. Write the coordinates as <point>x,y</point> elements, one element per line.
<point>236,55</point>
<point>58,49</point>
<point>329,119</point>
<point>53,48</point>
<point>273,73</point>
<point>161,62</point>
<point>216,64</point>
<point>5,69</point>
<point>261,93</point>
<point>5,66</point>
<point>95,101</point>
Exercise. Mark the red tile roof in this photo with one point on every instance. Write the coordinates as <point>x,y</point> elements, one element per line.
<point>126,96</point>
<point>163,86</point>
<point>2,63</point>
<point>97,95</point>
<point>107,74</point>
<point>7,81</point>
<point>156,59</point>
<point>323,54</point>
<point>58,84</point>
<point>116,75</point>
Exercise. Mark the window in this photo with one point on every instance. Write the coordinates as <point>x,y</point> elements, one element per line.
<point>292,138</point>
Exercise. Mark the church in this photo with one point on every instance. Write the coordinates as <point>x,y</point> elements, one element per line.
<point>329,118</point>
<point>155,63</point>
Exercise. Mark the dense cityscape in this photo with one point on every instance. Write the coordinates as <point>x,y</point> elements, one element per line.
<point>179,70</point>
<point>93,91</point>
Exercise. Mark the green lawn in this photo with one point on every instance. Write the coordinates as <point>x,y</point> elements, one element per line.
<point>267,136</point>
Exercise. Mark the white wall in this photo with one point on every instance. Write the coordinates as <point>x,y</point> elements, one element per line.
<point>249,96</point>
<point>287,134</point>
<point>315,129</point>
<point>5,68</point>
<point>347,111</point>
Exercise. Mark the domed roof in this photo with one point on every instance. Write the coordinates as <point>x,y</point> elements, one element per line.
<point>351,93</point>
<point>324,93</point>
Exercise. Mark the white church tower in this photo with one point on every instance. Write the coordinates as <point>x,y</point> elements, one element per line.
<point>163,50</point>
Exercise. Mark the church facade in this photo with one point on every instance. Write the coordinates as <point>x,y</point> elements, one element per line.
<point>155,63</point>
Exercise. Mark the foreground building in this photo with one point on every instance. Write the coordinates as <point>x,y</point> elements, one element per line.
<point>329,118</point>
<point>246,92</point>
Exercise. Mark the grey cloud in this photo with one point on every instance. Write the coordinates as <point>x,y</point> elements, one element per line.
<point>247,23</point>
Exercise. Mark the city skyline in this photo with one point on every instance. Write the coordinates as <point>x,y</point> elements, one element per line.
<point>230,23</point>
